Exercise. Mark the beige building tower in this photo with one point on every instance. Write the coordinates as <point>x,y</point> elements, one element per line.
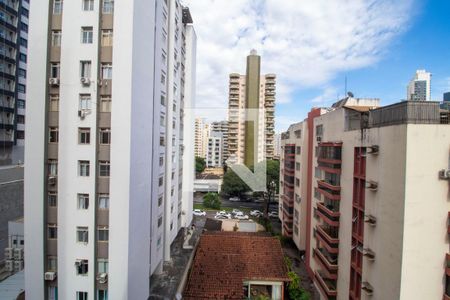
<point>251,114</point>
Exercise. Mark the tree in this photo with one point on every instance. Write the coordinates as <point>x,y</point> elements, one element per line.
<point>233,185</point>
<point>200,164</point>
<point>272,183</point>
<point>211,200</point>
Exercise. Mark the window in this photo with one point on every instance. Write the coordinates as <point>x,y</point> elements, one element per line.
<point>163,78</point>
<point>87,35</point>
<point>103,201</point>
<point>83,168</point>
<point>317,194</point>
<point>84,136</point>
<point>163,58</point>
<point>52,199</point>
<point>53,135</point>
<point>102,294</point>
<point>23,57</point>
<point>24,12</point>
<point>54,103</point>
<point>23,42</point>
<point>82,295</point>
<point>298,150</point>
<point>21,88</point>
<point>22,73</point>
<point>56,38</point>
<point>319,130</point>
<point>105,103</point>
<point>163,100</point>
<point>106,71</point>
<point>162,121</point>
<point>161,141</point>
<point>52,231</point>
<point>102,265</point>
<point>82,269</point>
<point>20,134</point>
<point>54,70</point>
<point>20,104</point>
<point>103,234</point>
<point>82,235</point>
<point>297,166</point>
<point>108,6</point>
<point>160,219</point>
<point>85,102</point>
<point>52,167</point>
<point>83,201</point>
<point>104,168</point>
<point>161,161</point>
<point>317,173</point>
<point>105,136</point>
<point>57,7</point>
<point>88,5</point>
<point>107,37</point>
<point>52,263</point>
<point>297,182</point>
<point>23,26</point>
<point>161,181</point>
<point>85,69</point>
<point>20,119</point>
<point>160,200</point>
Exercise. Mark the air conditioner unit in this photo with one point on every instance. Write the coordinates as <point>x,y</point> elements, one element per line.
<point>18,253</point>
<point>319,139</point>
<point>369,254</point>
<point>82,113</point>
<point>9,253</point>
<point>85,81</point>
<point>371,185</point>
<point>18,265</point>
<point>444,174</point>
<point>374,149</point>
<point>50,276</point>
<point>9,265</point>
<point>53,81</point>
<point>52,180</point>
<point>102,277</point>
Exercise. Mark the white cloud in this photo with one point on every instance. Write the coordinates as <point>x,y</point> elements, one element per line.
<point>306,43</point>
<point>328,95</point>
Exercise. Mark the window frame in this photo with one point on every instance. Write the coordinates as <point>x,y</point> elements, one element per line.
<point>82,201</point>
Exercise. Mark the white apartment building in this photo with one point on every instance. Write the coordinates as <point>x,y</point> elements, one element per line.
<point>222,127</point>
<point>202,132</point>
<point>106,186</point>
<point>419,88</point>
<point>214,157</point>
<point>364,196</point>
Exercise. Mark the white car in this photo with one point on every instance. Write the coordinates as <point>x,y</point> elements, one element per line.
<point>256,213</point>
<point>222,217</point>
<point>273,214</point>
<point>236,211</point>
<point>199,212</point>
<point>241,217</point>
<point>234,199</point>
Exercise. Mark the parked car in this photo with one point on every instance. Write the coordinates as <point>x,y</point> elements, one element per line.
<point>273,214</point>
<point>234,199</point>
<point>198,212</point>
<point>222,217</point>
<point>223,214</point>
<point>256,213</point>
<point>236,211</point>
<point>241,217</point>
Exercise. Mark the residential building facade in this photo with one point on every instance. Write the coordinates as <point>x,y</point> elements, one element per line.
<point>251,111</point>
<point>13,68</point>
<point>366,225</point>
<point>105,177</point>
<point>222,127</point>
<point>214,156</point>
<point>202,132</point>
<point>419,88</point>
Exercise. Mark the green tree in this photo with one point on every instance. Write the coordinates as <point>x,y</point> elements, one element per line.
<point>233,185</point>
<point>296,292</point>
<point>211,200</point>
<point>200,164</point>
<point>272,183</point>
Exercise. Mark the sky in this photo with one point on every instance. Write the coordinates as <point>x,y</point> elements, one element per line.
<point>313,46</point>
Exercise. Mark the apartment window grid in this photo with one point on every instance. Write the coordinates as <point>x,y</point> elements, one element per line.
<point>83,201</point>
<point>83,168</point>
<point>88,5</point>
<point>104,168</point>
<point>84,136</point>
<point>103,201</point>
<point>87,35</point>
<point>82,235</point>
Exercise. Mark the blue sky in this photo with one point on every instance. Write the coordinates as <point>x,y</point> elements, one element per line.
<point>424,45</point>
<point>312,45</point>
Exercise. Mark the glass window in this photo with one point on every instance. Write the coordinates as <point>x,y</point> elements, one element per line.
<point>160,220</point>
<point>82,269</point>
<point>52,263</point>
<point>54,70</point>
<point>57,7</point>
<point>318,173</point>
<point>103,234</point>
<point>88,5</point>
<point>106,71</point>
<point>160,200</point>
<point>161,181</point>
<point>83,168</point>
<point>20,104</point>
<point>52,231</point>
<point>22,73</point>
<point>56,38</point>
<point>53,135</point>
<point>163,100</point>
<point>102,265</point>
<point>107,37</point>
<point>87,35</point>
<point>102,295</point>
<point>105,136</point>
<point>21,88</point>
<point>85,102</point>
<point>82,235</point>
<point>54,103</point>
<point>108,6</point>
<point>104,168</point>
<point>105,103</point>
<point>52,199</point>
<point>83,201</point>
<point>85,69</point>
<point>52,167</point>
<point>23,57</point>
<point>84,136</point>
<point>103,201</point>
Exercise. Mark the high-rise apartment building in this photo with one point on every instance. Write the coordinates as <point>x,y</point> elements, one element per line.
<point>222,127</point>
<point>202,132</point>
<point>251,114</point>
<point>357,180</point>
<point>13,64</point>
<point>106,186</point>
<point>447,96</point>
<point>277,145</point>
<point>419,88</point>
<point>214,151</point>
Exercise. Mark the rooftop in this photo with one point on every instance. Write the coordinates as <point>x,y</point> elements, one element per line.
<point>224,260</point>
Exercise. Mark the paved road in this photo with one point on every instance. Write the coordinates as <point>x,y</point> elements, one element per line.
<point>198,198</point>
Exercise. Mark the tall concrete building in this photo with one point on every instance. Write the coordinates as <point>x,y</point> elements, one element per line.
<point>13,69</point>
<point>222,127</point>
<point>277,145</point>
<point>251,114</point>
<point>106,186</point>
<point>356,180</point>
<point>202,132</point>
<point>419,88</point>
<point>214,151</point>
<point>447,96</point>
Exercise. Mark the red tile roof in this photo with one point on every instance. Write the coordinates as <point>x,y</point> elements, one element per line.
<point>224,260</point>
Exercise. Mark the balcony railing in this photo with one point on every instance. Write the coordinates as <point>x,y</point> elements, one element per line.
<point>328,263</point>
<point>327,285</point>
<point>329,193</point>
<point>327,214</point>
<point>329,185</point>
<point>329,239</point>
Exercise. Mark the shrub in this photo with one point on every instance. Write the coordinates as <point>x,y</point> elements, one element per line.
<point>211,200</point>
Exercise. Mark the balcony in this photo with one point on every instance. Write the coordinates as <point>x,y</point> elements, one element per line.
<point>328,213</point>
<point>329,238</point>
<point>334,168</point>
<point>327,286</point>
<point>329,193</point>
<point>327,261</point>
<point>331,185</point>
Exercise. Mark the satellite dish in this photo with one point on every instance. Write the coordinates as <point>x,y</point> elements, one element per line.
<point>350,94</point>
